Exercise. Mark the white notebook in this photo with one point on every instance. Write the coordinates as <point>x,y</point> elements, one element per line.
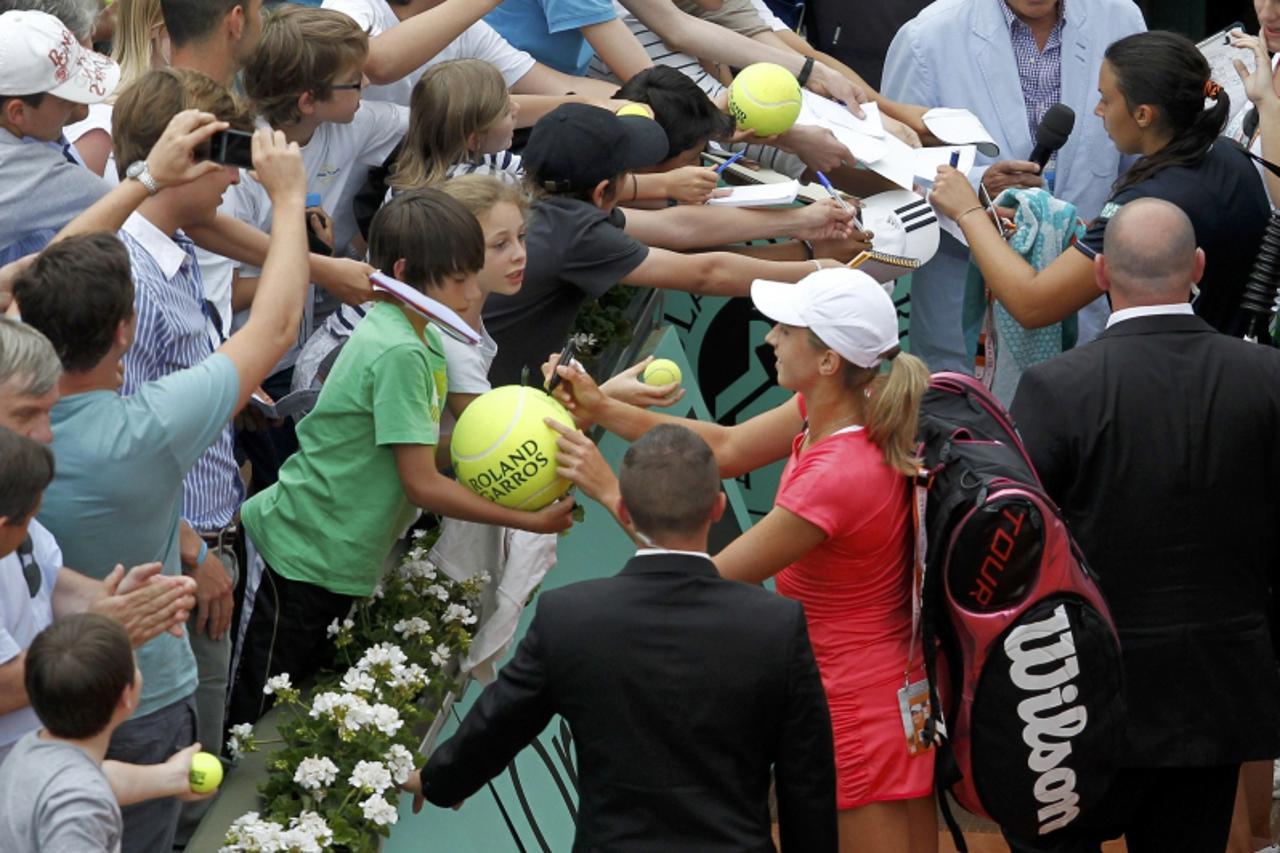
<point>759,195</point>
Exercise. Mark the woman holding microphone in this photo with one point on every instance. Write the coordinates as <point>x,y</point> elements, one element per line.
<point>1157,101</point>
<point>839,538</point>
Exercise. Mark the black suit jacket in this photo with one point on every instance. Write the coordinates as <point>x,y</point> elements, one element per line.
<point>1160,441</point>
<point>682,690</point>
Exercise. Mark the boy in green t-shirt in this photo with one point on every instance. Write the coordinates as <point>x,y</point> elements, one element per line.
<point>366,458</point>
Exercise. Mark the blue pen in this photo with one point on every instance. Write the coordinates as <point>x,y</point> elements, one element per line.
<point>955,158</point>
<point>727,163</point>
<point>822,179</point>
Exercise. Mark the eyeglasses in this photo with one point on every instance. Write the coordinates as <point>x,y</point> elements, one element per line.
<point>31,570</point>
<point>338,87</point>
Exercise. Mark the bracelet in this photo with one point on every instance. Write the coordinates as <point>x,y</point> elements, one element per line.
<point>967,212</point>
<point>809,254</point>
<point>817,264</point>
<point>204,552</point>
<point>805,71</point>
<point>635,187</point>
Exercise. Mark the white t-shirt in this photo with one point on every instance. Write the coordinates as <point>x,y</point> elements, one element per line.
<point>99,119</point>
<point>479,41</point>
<point>766,14</point>
<point>22,617</point>
<point>337,160</point>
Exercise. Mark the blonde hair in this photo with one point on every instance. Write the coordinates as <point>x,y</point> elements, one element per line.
<point>303,49</point>
<point>893,409</point>
<point>482,193</point>
<point>452,101</point>
<point>894,413</point>
<point>136,21</point>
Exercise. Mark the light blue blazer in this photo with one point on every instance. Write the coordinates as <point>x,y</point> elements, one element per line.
<point>958,53</point>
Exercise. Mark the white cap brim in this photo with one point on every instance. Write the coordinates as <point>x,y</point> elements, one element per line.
<point>903,223</point>
<point>778,300</point>
<point>95,81</point>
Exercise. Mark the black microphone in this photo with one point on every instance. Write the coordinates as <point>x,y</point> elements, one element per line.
<point>1052,133</point>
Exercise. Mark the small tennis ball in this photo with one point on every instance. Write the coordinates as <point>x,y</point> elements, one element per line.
<point>206,772</point>
<point>661,371</point>
<point>765,98</point>
<point>503,451</point>
<point>635,110</point>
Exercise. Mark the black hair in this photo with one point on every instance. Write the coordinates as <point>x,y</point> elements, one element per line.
<point>683,110</point>
<point>1166,71</point>
<point>26,470</point>
<point>189,21</point>
<point>77,292</point>
<point>75,672</point>
<point>33,101</point>
<point>435,234</point>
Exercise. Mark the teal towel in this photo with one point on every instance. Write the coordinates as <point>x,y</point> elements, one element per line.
<point>1045,228</point>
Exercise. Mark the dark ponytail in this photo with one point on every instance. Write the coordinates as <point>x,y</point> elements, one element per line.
<point>1166,71</point>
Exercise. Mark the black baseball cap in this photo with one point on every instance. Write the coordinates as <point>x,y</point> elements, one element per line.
<point>576,146</point>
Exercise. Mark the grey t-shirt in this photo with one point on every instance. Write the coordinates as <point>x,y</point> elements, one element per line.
<point>576,251</point>
<point>55,799</point>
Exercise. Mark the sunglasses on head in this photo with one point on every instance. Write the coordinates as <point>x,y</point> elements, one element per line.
<point>31,570</point>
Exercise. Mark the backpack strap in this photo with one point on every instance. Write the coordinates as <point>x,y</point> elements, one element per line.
<point>923,615</point>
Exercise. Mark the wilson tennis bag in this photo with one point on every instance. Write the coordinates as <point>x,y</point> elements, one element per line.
<point>1019,644</point>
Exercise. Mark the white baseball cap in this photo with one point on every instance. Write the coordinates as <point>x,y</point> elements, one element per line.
<point>903,224</point>
<point>847,309</point>
<point>39,55</point>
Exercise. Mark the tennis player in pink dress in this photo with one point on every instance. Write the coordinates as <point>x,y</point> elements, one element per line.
<point>840,536</point>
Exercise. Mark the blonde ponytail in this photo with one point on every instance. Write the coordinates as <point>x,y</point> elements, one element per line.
<point>894,410</point>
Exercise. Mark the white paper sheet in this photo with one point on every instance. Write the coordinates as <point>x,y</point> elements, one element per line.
<point>759,195</point>
<point>960,127</point>
<point>815,109</point>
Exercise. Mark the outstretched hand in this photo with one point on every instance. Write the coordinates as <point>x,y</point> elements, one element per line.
<point>1259,84</point>
<point>627,387</point>
<point>579,461</point>
<point>174,159</point>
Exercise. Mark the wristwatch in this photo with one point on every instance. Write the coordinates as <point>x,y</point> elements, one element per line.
<point>139,172</point>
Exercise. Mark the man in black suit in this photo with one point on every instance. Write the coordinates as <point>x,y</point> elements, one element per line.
<point>1160,441</point>
<point>682,689</point>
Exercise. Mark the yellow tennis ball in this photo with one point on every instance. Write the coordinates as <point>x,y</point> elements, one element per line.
<point>206,772</point>
<point>661,371</point>
<point>765,98</point>
<point>636,110</point>
<point>503,451</point>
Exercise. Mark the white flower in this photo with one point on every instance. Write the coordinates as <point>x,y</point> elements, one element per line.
<point>379,811</point>
<point>382,653</point>
<point>415,626</point>
<point>411,677</point>
<point>277,683</point>
<point>358,714</point>
<point>250,834</point>
<point>438,591</point>
<point>459,613</point>
<point>315,773</point>
<point>418,570</point>
<point>402,763</point>
<point>440,656</point>
<point>316,827</point>
<point>327,703</point>
<point>386,719</point>
<point>417,554</point>
<point>378,592</point>
<point>241,740</point>
<point>358,681</point>
<point>371,776</point>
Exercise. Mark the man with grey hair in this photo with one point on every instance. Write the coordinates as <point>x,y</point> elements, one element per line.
<point>35,588</point>
<point>683,690</point>
<point>1158,441</point>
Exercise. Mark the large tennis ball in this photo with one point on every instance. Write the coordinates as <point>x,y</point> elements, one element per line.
<point>661,371</point>
<point>504,452</point>
<point>637,109</point>
<point>766,98</point>
<point>206,773</point>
